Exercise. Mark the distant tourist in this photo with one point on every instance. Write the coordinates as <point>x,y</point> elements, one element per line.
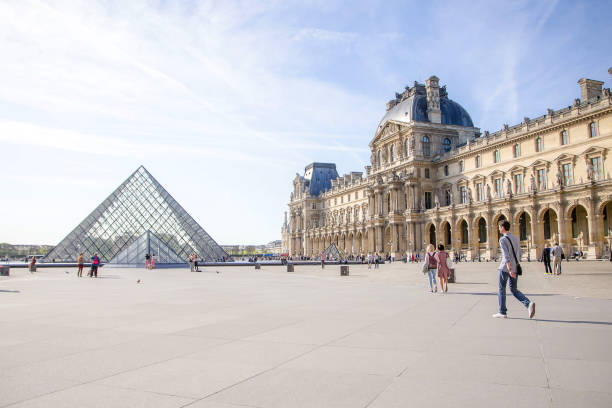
<point>558,255</point>
<point>323,261</point>
<point>152,264</point>
<point>95,263</point>
<point>191,262</point>
<point>80,265</point>
<point>370,260</point>
<point>195,262</point>
<point>443,270</point>
<point>545,258</point>
<point>33,265</point>
<point>147,260</point>
<point>430,267</point>
<point>376,260</point>
<point>509,268</point>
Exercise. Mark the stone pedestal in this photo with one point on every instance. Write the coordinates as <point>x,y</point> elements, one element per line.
<point>4,271</point>
<point>344,270</point>
<point>257,266</point>
<point>451,278</point>
<point>290,268</point>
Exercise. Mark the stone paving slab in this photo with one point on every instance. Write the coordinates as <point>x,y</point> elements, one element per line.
<point>268,338</point>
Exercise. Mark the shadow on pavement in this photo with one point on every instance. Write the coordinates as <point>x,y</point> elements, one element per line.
<point>563,321</point>
<point>10,291</point>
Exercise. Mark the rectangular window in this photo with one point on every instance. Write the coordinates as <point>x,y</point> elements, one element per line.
<point>356,195</point>
<point>428,200</point>
<point>593,129</point>
<point>564,137</point>
<point>498,187</point>
<point>542,179</point>
<point>567,174</point>
<point>518,183</point>
<point>479,192</point>
<point>463,194</point>
<point>596,163</point>
<point>426,173</point>
<point>348,197</point>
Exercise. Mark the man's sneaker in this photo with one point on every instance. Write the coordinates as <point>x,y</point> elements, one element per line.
<point>531,310</point>
<point>500,316</point>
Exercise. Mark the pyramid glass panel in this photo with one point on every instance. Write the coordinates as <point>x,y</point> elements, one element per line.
<point>332,252</point>
<point>148,243</point>
<point>139,205</point>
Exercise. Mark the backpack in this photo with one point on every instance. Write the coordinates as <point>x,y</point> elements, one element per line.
<point>433,264</point>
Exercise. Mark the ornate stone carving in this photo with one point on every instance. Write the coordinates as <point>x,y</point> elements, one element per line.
<point>509,188</point>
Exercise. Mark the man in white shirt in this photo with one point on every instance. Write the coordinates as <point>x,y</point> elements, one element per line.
<point>557,253</point>
<point>511,253</point>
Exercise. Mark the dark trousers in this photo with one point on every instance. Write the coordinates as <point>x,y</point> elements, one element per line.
<point>94,271</point>
<point>547,268</point>
<point>501,295</point>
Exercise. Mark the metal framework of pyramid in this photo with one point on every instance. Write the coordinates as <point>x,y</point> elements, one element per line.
<point>138,205</point>
<point>332,252</point>
<point>148,243</point>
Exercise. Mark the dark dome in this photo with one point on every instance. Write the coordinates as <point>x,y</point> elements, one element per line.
<point>414,108</point>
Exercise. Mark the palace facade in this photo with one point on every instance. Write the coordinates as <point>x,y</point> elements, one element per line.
<point>435,178</point>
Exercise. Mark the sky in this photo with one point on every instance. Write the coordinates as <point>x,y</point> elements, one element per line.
<point>225,101</point>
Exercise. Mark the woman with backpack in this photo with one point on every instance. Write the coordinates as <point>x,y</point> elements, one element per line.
<point>442,258</point>
<point>430,266</point>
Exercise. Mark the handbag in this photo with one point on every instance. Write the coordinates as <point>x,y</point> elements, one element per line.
<point>519,270</point>
<point>449,262</point>
<point>425,267</point>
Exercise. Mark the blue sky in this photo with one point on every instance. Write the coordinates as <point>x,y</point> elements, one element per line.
<point>225,101</point>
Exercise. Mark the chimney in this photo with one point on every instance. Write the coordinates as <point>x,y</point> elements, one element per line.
<point>589,88</point>
<point>610,72</point>
<point>391,104</point>
<point>432,88</point>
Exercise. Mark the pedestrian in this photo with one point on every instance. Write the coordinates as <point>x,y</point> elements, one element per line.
<point>190,259</point>
<point>376,260</point>
<point>430,266</point>
<point>95,263</point>
<point>545,258</point>
<point>80,265</point>
<point>510,268</point>
<point>442,258</point>
<point>152,264</point>
<point>33,265</point>
<point>323,261</point>
<point>370,260</point>
<point>195,262</point>
<point>147,260</point>
<point>557,253</point>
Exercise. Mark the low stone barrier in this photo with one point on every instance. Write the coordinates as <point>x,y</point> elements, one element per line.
<point>257,266</point>
<point>344,270</point>
<point>4,270</point>
<point>451,278</point>
<point>290,268</point>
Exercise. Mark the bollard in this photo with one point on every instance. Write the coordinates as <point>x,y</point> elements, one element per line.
<point>344,270</point>
<point>4,270</point>
<point>290,268</point>
<point>451,278</point>
<point>257,266</point>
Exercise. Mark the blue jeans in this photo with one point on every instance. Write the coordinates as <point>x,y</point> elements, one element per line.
<point>431,274</point>
<point>501,295</point>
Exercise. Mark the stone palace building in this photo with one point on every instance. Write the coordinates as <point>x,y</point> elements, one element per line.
<point>435,178</point>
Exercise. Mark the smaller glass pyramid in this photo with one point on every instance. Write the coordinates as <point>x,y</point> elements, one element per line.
<point>332,253</point>
<point>148,243</point>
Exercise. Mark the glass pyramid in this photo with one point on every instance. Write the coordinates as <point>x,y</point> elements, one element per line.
<point>139,205</point>
<point>332,253</point>
<point>148,243</point>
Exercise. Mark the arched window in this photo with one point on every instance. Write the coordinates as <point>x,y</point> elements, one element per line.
<point>446,144</point>
<point>564,137</point>
<point>388,203</point>
<point>482,231</point>
<point>547,224</point>
<point>496,156</point>
<point>593,129</point>
<point>539,145</point>
<point>426,145</point>
<point>523,227</point>
<point>464,232</point>
<point>517,150</point>
<point>391,154</point>
<point>478,161</point>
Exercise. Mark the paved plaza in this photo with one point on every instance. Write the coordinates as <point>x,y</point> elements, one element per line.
<point>268,338</point>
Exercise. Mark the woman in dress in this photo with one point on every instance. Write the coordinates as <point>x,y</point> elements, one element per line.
<point>430,261</point>
<point>152,265</point>
<point>443,271</point>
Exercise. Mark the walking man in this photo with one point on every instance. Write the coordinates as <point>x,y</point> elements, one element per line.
<point>557,253</point>
<point>546,259</point>
<point>95,263</point>
<point>80,265</point>
<point>511,253</point>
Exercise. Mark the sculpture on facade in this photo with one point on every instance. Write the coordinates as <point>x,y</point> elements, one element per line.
<point>509,188</point>
<point>580,239</point>
<point>590,171</point>
<point>559,179</point>
<point>533,184</point>
<point>469,191</point>
<point>488,192</point>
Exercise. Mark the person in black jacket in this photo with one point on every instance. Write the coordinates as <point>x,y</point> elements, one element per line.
<point>545,258</point>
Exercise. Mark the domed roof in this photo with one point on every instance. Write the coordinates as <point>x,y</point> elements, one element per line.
<point>414,108</point>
